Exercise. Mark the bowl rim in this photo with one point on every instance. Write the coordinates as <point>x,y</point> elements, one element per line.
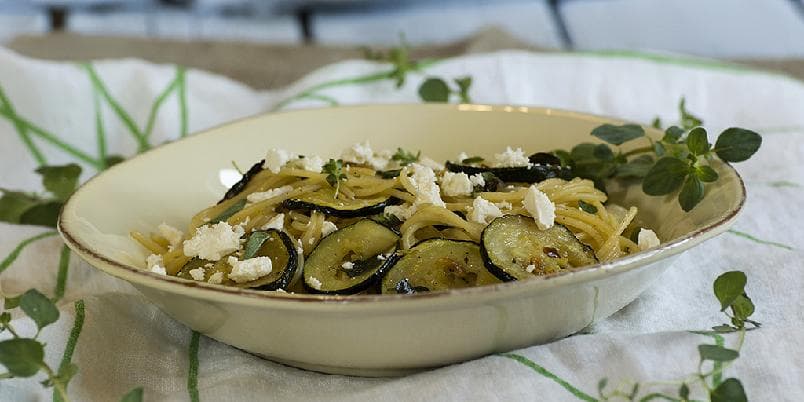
<point>203,290</point>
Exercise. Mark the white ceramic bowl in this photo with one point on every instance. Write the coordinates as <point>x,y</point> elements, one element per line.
<point>374,335</point>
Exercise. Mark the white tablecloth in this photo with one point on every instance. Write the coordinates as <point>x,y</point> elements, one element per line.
<point>126,342</point>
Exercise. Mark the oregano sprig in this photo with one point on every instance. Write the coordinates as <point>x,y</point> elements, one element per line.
<point>41,209</point>
<point>404,157</point>
<point>679,162</point>
<point>334,171</point>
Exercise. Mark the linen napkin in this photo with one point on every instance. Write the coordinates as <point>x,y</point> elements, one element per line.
<point>120,341</point>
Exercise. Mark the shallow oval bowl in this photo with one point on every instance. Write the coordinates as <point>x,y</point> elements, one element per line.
<point>375,335</point>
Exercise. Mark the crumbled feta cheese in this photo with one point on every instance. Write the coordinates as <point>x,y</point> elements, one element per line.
<point>540,208</point>
<point>358,153</point>
<point>173,235</point>
<point>216,278</point>
<point>380,160</point>
<point>158,270</point>
<point>511,158</point>
<point>348,265</point>
<point>250,269</point>
<point>153,260</point>
<point>461,157</point>
<point>483,211</point>
<point>427,191</point>
<point>456,184</point>
<point>264,195</point>
<point>197,274</point>
<point>504,205</point>
<point>277,222</point>
<point>647,239</point>
<point>327,228</point>
<point>315,283</point>
<point>275,158</point>
<point>212,242</point>
<point>530,268</point>
<point>477,180</point>
<point>312,163</point>
<point>425,161</point>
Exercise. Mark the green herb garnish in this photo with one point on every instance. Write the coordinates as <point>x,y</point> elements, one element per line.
<point>390,174</point>
<point>471,160</point>
<point>435,89</point>
<point>586,207</point>
<point>404,157</point>
<point>228,212</point>
<point>43,210</point>
<point>334,171</point>
<point>679,162</point>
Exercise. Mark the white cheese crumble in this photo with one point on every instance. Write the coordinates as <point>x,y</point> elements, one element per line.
<point>348,265</point>
<point>153,260</point>
<point>250,269</point>
<point>212,242</point>
<point>399,211</point>
<point>503,205</point>
<point>456,184</point>
<point>427,191</point>
<point>174,236</point>
<point>158,270</point>
<point>380,160</point>
<point>315,283</point>
<point>511,158</point>
<point>264,195</point>
<point>197,274</point>
<point>358,153</point>
<point>327,228</point>
<point>311,163</point>
<point>275,158</point>
<point>530,268</point>
<point>540,208</point>
<point>425,161</point>
<point>216,278</point>
<point>277,222</point>
<point>647,239</point>
<point>484,211</point>
<point>477,180</point>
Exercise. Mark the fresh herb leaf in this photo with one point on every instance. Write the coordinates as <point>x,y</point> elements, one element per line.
<point>742,307</point>
<point>254,242</point>
<point>22,356</point>
<point>636,168</point>
<point>390,174</point>
<point>472,160</point>
<point>464,83</point>
<point>45,214</point>
<point>672,134</point>
<point>656,123</point>
<point>728,287</point>
<point>405,157</point>
<point>60,180</point>
<point>13,205</point>
<point>112,160</point>
<point>618,135</point>
<point>586,207</point>
<point>737,144</point>
<point>603,153</point>
<point>706,174</point>
<point>39,308</point>
<point>717,353</point>
<point>135,395</point>
<point>684,392</point>
<point>334,171</point>
<point>434,90</point>
<point>11,302</point>
<point>730,390</point>
<point>688,120</point>
<point>692,192</point>
<point>697,142</point>
<point>665,177</point>
<point>601,385</point>
<point>229,212</point>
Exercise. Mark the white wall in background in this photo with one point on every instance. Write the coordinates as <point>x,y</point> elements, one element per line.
<point>726,28</point>
<point>438,22</point>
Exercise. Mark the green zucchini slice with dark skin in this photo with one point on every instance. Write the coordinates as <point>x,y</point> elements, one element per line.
<point>514,248</point>
<point>437,264</point>
<point>520,174</point>
<point>324,201</point>
<point>264,243</point>
<point>350,259</point>
<point>243,182</point>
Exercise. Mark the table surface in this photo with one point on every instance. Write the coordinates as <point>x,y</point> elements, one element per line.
<point>268,66</point>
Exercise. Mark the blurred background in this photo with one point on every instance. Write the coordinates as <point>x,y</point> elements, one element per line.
<point>211,33</point>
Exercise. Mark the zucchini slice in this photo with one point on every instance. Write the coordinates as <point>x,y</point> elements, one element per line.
<point>522,174</point>
<point>264,243</point>
<point>438,264</point>
<point>350,259</point>
<point>243,182</point>
<point>514,248</point>
<point>325,202</point>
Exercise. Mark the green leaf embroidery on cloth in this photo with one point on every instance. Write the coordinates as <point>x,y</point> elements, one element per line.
<point>754,239</point>
<point>72,341</point>
<point>11,257</point>
<point>548,374</point>
<point>192,372</point>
